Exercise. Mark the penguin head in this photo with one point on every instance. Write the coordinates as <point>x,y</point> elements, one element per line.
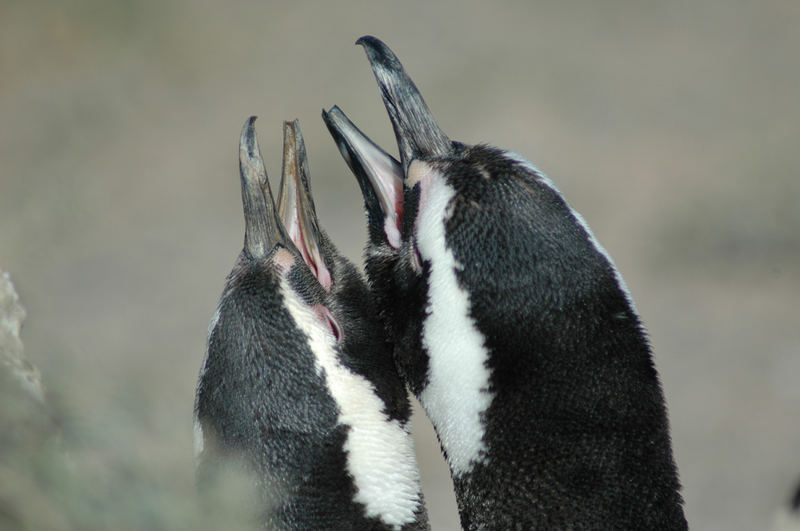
<point>304,260</point>
<point>253,332</point>
<point>289,295</point>
<point>508,318</point>
<point>344,302</point>
<point>397,269</point>
<point>393,263</point>
<point>318,277</point>
<point>286,242</point>
<point>509,230</point>
<point>298,383</point>
<point>288,237</point>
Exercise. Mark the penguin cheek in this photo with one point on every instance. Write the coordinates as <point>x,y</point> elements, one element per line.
<point>283,260</point>
<point>327,320</point>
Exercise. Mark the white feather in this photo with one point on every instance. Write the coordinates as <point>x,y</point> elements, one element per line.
<point>380,452</point>
<point>457,394</point>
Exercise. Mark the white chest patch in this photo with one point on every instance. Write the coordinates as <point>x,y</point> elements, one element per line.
<point>457,394</point>
<point>380,452</point>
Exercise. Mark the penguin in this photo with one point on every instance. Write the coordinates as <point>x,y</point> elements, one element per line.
<point>513,327</point>
<point>298,386</point>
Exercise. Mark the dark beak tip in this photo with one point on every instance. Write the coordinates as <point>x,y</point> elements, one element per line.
<point>378,52</point>
<point>366,40</point>
<point>328,121</point>
<point>417,133</point>
<point>249,136</point>
<point>332,115</point>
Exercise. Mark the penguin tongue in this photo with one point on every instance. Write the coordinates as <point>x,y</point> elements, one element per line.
<point>418,135</point>
<point>379,175</point>
<point>263,230</point>
<point>296,206</point>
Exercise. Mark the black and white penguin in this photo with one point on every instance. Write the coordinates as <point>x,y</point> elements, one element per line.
<point>298,384</point>
<point>512,326</point>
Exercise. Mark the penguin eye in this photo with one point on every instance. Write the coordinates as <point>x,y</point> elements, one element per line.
<point>327,319</point>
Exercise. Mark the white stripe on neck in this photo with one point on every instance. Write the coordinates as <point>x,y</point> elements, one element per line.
<point>380,452</point>
<point>457,394</point>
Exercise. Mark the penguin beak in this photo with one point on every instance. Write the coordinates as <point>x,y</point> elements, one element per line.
<point>418,135</point>
<point>263,229</point>
<point>296,205</point>
<point>379,174</point>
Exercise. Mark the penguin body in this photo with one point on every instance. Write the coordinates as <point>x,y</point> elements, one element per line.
<point>298,386</point>
<point>513,327</point>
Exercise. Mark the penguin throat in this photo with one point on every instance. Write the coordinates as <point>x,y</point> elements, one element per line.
<point>379,449</point>
<point>457,395</point>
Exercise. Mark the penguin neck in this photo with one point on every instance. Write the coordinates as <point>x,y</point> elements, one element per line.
<point>401,296</point>
<point>321,437</point>
<point>426,316</point>
<point>376,446</point>
<point>544,397</point>
<point>551,430</point>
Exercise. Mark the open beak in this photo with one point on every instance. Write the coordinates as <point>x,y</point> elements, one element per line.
<point>379,174</point>
<point>262,229</point>
<point>418,135</point>
<point>296,205</point>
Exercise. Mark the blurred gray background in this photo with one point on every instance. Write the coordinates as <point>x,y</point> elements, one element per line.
<point>673,127</point>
